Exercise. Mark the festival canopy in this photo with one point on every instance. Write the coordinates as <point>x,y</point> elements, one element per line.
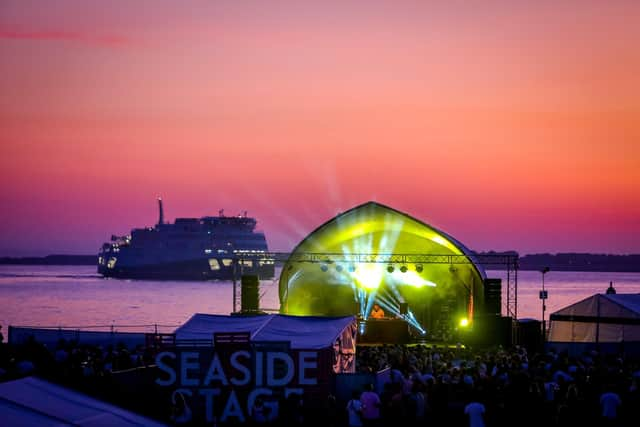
<point>31,401</point>
<point>600,318</point>
<point>304,333</point>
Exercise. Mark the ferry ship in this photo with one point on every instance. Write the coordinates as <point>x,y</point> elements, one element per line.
<point>208,248</point>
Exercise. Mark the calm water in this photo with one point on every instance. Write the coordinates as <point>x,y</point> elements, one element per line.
<point>77,296</point>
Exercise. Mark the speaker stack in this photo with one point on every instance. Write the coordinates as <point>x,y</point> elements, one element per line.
<point>490,327</point>
<point>250,298</point>
<point>493,297</point>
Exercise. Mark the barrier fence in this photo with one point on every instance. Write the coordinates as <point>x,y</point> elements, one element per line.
<point>88,335</point>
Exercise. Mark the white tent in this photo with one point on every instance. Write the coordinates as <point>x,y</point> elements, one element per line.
<point>34,402</point>
<point>302,332</point>
<point>600,318</point>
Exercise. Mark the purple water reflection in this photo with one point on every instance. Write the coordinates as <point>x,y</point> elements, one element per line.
<point>77,296</point>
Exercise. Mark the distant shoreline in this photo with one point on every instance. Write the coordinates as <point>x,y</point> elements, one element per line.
<point>578,262</point>
<point>51,260</point>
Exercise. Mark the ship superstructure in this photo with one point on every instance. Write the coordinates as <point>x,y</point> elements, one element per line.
<point>212,247</point>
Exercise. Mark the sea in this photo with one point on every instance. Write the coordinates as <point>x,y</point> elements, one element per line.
<point>77,297</point>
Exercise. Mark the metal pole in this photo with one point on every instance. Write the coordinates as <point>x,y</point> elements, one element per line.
<point>509,313</point>
<point>543,297</point>
<point>544,307</point>
<point>233,275</point>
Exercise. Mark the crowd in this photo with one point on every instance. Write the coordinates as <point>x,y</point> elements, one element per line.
<point>68,361</point>
<point>424,386</point>
<point>458,386</point>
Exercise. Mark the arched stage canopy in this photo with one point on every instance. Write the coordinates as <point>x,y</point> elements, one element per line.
<point>432,291</point>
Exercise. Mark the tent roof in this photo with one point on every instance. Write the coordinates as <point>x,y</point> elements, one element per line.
<point>369,210</point>
<point>612,305</point>
<point>304,332</point>
<point>201,326</point>
<point>31,401</point>
<point>629,301</point>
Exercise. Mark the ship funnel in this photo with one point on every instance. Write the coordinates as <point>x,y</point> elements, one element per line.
<point>160,212</point>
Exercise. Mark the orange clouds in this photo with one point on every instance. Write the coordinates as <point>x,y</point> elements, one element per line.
<point>503,126</point>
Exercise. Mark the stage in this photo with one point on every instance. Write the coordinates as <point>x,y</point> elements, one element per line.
<point>384,331</point>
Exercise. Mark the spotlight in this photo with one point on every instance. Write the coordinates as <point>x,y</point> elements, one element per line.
<point>352,268</point>
<point>419,268</point>
<point>339,268</point>
<point>362,327</point>
<point>404,268</point>
<point>464,322</point>
<point>390,268</point>
<point>324,267</point>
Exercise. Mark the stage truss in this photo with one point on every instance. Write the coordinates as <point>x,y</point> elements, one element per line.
<point>507,262</point>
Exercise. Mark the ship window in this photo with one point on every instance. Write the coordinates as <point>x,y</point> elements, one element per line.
<point>227,262</point>
<point>112,262</point>
<point>214,264</point>
<point>247,263</point>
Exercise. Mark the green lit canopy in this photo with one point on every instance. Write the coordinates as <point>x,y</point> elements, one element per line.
<point>341,287</point>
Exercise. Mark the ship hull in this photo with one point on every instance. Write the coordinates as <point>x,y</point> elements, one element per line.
<point>185,270</point>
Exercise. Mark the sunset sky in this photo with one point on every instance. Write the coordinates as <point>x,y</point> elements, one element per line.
<point>508,124</point>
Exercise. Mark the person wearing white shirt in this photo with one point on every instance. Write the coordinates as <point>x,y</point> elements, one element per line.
<point>475,411</point>
<point>354,409</point>
<point>610,402</point>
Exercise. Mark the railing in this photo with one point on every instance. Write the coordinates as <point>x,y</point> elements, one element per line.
<point>156,327</point>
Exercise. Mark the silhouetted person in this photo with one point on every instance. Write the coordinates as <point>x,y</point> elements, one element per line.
<point>610,402</point>
<point>354,410</point>
<point>370,406</point>
<point>476,412</point>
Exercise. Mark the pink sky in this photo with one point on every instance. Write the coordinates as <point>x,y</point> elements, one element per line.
<point>511,126</point>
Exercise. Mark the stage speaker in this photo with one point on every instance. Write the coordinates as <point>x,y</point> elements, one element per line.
<point>250,288</point>
<point>404,308</point>
<point>493,297</point>
<point>529,335</point>
<point>492,330</point>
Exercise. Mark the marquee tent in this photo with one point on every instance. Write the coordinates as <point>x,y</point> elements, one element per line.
<point>600,318</point>
<point>302,332</point>
<point>31,401</point>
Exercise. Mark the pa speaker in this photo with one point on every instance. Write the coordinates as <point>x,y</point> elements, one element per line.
<point>493,297</point>
<point>492,330</point>
<point>249,300</point>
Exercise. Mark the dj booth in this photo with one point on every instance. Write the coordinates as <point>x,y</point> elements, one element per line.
<point>385,331</point>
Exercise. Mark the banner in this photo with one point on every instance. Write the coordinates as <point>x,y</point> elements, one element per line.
<point>222,384</point>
